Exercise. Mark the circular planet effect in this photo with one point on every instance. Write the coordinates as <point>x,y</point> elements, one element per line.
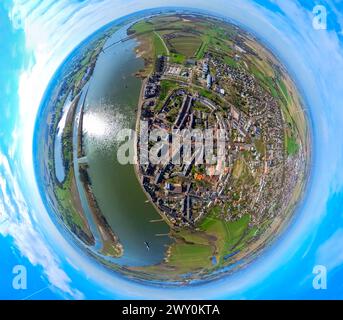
<point>314,60</point>
<point>172,221</point>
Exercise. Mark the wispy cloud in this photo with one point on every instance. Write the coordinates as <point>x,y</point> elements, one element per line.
<point>17,223</point>
<point>330,253</point>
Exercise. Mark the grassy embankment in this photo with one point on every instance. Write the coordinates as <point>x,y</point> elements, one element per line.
<point>110,243</point>
<point>194,250</point>
<point>66,192</point>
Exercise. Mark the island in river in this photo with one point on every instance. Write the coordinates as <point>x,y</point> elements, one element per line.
<point>176,72</point>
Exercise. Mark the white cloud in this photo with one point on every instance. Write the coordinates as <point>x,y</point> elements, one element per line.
<point>330,253</point>
<point>17,223</point>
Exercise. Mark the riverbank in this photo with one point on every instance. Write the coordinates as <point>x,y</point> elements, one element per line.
<point>137,155</point>
<point>80,150</point>
<point>66,192</point>
<point>110,242</point>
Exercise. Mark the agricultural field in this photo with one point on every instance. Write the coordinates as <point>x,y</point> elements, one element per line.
<point>177,39</point>
<point>185,45</point>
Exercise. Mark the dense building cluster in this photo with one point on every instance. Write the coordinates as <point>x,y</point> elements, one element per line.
<point>251,177</point>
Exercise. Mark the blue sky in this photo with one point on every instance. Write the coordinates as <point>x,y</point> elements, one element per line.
<point>38,36</point>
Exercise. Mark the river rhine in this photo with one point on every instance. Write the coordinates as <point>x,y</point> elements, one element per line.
<point>111,105</point>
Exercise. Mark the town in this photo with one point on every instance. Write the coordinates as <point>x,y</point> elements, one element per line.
<point>246,179</point>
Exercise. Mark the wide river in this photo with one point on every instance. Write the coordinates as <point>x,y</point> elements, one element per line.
<point>111,105</point>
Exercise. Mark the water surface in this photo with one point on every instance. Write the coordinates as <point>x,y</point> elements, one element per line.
<point>111,106</point>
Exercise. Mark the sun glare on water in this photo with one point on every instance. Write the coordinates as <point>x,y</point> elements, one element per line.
<point>95,125</point>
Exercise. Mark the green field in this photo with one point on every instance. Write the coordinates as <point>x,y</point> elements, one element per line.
<point>190,257</point>
<point>64,197</point>
<point>229,61</point>
<point>284,90</point>
<point>166,88</point>
<point>201,50</point>
<point>266,82</point>
<point>260,146</point>
<point>143,26</point>
<point>183,42</point>
<point>159,46</point>
<point>278,89</point>
<point>215,237</point>
<point>177,58</point>
<point>172,114</point>
<point>185,45</point>
<point>241,172</point>
<point>227,234</point>
<point>291,145</point>
<point>211,96</point>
